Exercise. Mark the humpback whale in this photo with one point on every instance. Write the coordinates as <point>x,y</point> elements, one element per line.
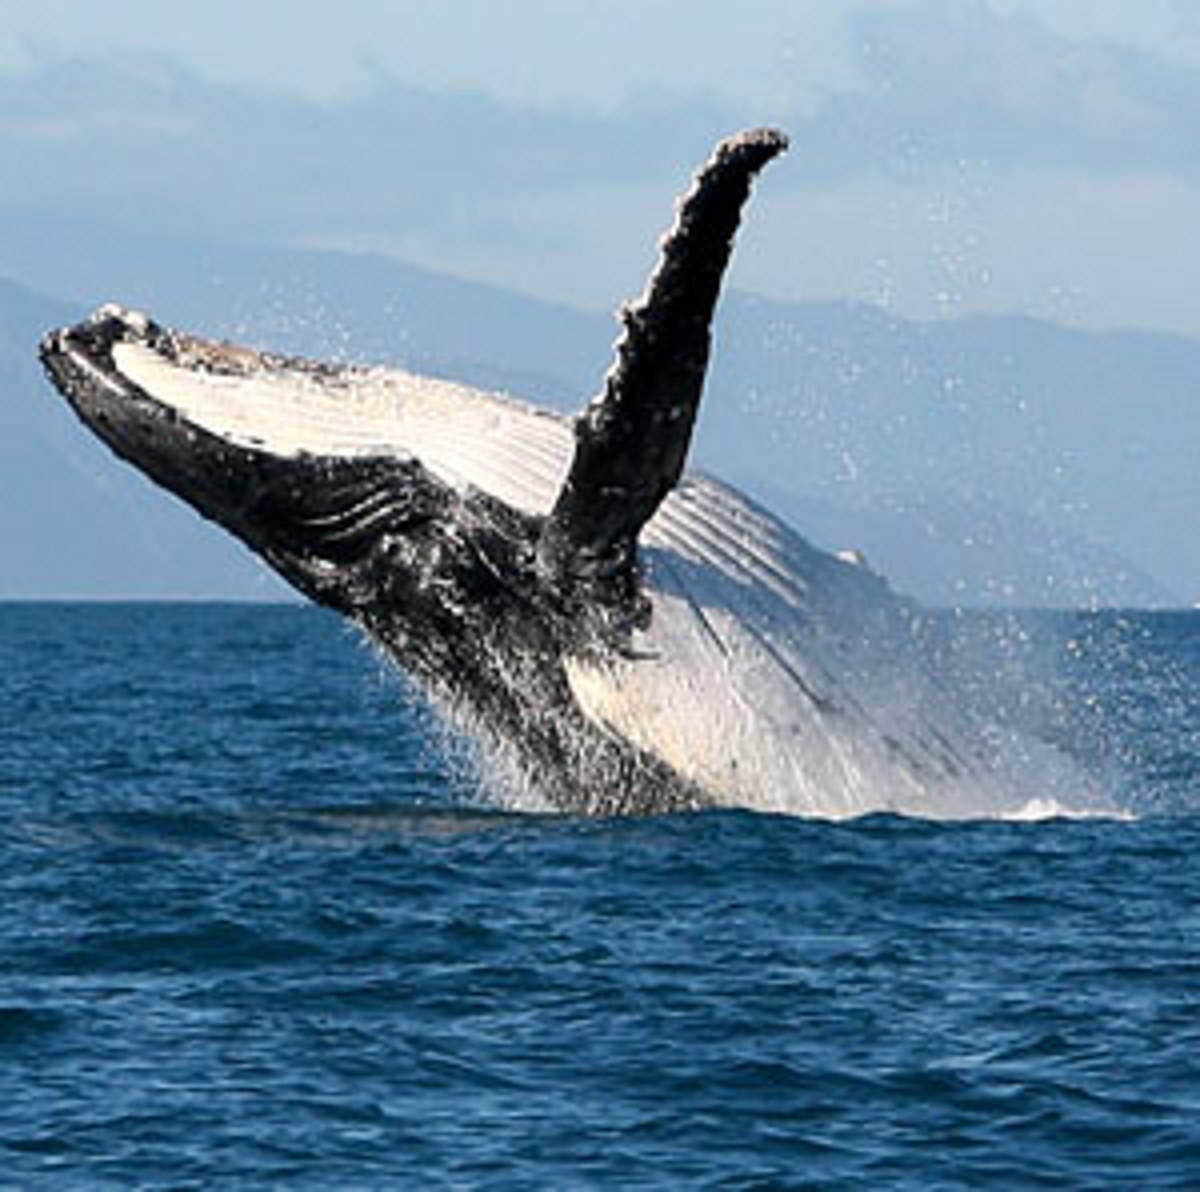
<point>630,637</point>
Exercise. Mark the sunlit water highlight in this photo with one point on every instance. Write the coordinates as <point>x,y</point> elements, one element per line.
<point>259,930</point>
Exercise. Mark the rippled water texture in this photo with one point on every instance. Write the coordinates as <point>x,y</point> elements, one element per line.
<point>258,930</point>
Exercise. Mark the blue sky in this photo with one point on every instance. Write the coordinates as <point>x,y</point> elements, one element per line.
<point>952,157</point>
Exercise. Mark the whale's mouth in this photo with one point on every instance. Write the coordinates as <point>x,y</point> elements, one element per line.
<point>118,364</point>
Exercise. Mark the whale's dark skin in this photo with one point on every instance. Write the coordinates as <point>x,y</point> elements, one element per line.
<point>481,601</point>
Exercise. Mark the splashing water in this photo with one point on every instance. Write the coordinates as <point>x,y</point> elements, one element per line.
<point>1024,733</point>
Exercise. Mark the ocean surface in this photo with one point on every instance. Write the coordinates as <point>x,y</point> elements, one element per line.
<point>263,924</point>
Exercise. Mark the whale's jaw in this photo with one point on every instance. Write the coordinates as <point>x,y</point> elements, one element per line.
<point>332,521</point>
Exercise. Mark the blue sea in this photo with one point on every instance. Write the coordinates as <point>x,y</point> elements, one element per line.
<point>263,924</point>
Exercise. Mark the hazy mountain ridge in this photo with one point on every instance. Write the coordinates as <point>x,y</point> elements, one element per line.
<point>977,461</point>
<point>1073,432</point>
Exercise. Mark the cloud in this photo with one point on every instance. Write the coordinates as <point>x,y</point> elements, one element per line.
<point>940,85</point>
<point>148,141</point>
<point>931,181</point>
<point>946,84</point>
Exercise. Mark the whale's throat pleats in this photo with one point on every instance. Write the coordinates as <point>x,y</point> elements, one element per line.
<point>465,437</point>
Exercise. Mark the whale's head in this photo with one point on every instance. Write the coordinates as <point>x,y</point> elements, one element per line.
<point>350,482</point>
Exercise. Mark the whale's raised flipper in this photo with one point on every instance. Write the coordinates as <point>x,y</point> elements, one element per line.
<point>631,442</point>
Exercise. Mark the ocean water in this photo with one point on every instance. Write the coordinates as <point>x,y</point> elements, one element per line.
<point>260,927</point>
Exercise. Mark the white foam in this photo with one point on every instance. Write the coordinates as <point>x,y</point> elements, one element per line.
<point>1047,808</point>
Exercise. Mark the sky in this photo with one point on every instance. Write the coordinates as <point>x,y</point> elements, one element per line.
<point>1015,156</point>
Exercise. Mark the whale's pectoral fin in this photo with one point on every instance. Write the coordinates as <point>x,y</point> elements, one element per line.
<point>631,442</point>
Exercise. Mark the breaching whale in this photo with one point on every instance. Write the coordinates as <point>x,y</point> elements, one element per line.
<point>629,637</point>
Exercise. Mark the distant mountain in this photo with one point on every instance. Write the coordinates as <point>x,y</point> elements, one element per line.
<point>965,551</point>
<point>326,304</point>
<point>1084,440</point>
<point>979,461</point>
